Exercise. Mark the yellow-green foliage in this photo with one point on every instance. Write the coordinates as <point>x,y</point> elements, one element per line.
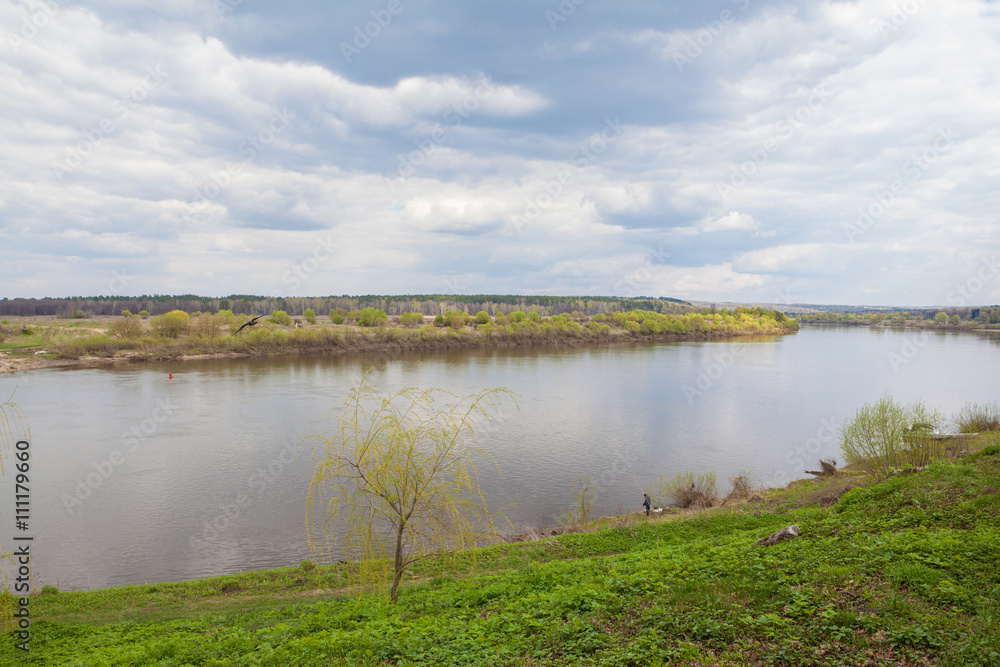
<point>127,327</point>
<point>397,482</point>
<point>372,317</point>
<point>208,325</point>
<point>170,325</point>
<point>280,317</point>
<point>887,435</point>
<point>309,315</point>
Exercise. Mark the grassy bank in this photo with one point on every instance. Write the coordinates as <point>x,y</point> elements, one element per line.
<point>134,338</point>
<point>899,572</point>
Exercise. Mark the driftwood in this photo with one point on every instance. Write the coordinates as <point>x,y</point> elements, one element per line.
<point>829,468</point>
<point>786,533</point>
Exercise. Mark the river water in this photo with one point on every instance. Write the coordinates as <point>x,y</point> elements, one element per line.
<point>139,477</point>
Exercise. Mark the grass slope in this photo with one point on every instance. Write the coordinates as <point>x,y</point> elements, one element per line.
<point>903,572</point>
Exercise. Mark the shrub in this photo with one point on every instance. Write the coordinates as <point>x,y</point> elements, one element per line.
<point>280,317</point>
<point>408,319</point>
<point>885,435</point>
<point>518,316</point>
<point>127,327</point>
<point>309,315</point>
<point>337,315</point>
<point>978,417</point>
<point>688,489</point>
<point>208,325</point>
<point>482,317</point>
<point>172,324</point>
<point>371,317</point>
<point>143,314</point>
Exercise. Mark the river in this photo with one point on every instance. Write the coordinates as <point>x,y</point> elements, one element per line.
<point>140,477</point>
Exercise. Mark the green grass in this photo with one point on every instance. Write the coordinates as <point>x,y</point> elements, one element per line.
<point>903,572</point>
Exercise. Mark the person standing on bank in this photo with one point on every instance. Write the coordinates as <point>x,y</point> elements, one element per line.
<point>646,502</point>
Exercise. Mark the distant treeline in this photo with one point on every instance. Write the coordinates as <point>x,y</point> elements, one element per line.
<point>427,304</point>
<point>978,318</point>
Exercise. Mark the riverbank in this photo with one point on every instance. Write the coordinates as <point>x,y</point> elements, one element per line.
<point>36,342</point>
<point>894,572</point>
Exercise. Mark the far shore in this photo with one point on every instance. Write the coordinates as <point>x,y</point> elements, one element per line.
<point>36,342</point>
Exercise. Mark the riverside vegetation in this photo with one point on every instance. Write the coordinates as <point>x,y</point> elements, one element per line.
<point>177,333</point>
<point>889,570</point>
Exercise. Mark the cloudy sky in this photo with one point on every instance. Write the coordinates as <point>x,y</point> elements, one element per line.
<point>730,150</point>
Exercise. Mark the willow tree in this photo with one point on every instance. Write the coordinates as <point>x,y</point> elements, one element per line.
<point>398,481</point>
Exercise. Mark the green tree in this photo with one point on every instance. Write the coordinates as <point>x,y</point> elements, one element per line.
<point>399,482</point>
<point>310,315</point>
<point>127,327</point>
<point>373,317</point>
<point>879,437</point>
<point>280,317</point>
<point>170,325</point>
<point>941,318</point>
<point>482,317</point>
<point>408,319</point>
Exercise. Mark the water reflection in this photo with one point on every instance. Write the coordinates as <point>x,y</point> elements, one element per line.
<point>220,485</point>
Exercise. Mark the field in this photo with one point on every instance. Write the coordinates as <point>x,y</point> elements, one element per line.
<point>901,571</point>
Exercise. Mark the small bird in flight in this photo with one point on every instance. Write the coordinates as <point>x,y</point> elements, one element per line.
<point>248,323</point>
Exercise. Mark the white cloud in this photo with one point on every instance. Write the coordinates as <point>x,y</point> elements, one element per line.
<point>734,220</point>
<point>790,123</point>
